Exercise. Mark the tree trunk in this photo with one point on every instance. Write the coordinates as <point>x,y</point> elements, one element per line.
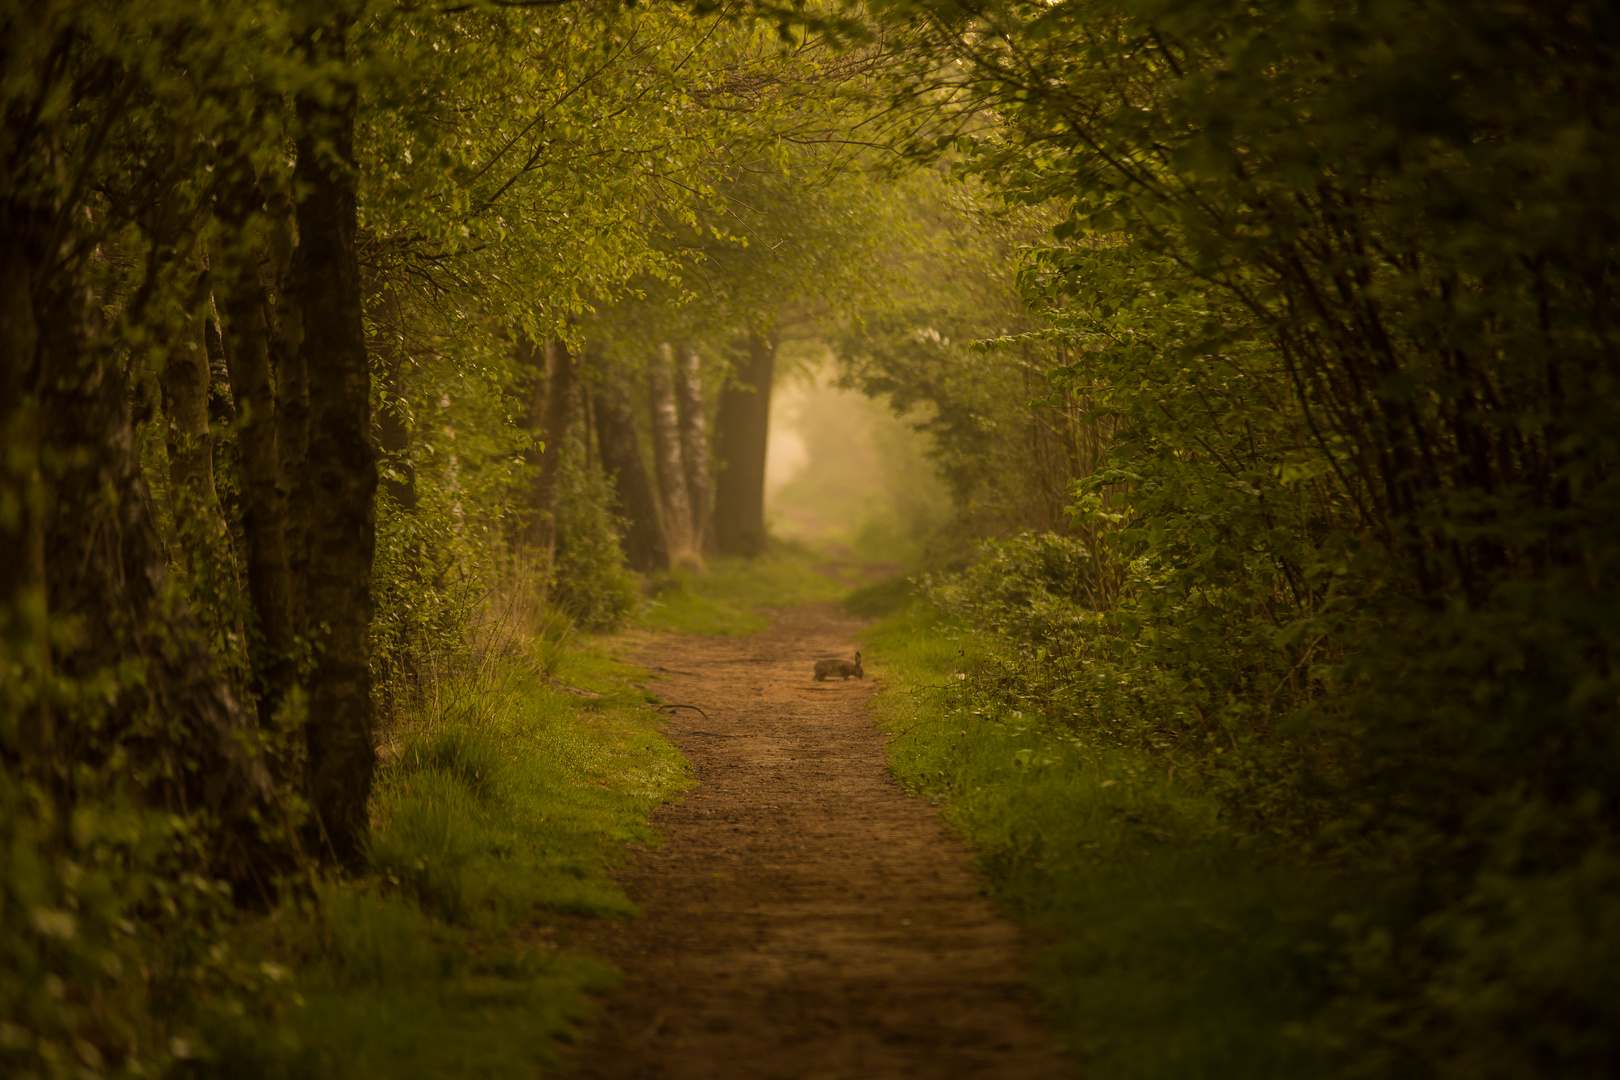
<point>694,430</point>
<point>644,545</point>
<point>221,400</point>
<point>178,720</point>
<point>23,609</point>
<point>222,421</point>
<point>667,459</point>
<point>341,466</point>
<point>186,380</point>
<point>285,324</point>
<point>553,411</point>
<point>246,333</point>
<point>741,437</point>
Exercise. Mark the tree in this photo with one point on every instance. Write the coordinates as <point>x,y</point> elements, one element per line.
<point>645,545</point>
<point>694,437</point>
<point>742,434</point>
<point>675,498</point>
<point>553,413</point>
<point>341,467</point>
<point>1335,275</point>
<point>100,138</point>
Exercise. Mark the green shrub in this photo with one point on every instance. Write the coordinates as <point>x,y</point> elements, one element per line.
<point>1036,587</point>
<point>116,950</point>
<point>1174,942</point>
<point>589,580</point>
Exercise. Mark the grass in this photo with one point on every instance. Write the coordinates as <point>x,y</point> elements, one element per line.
<point>726,600</point>
<point>1174,947</point>
<point>881,598</point>
<point>494,821</point>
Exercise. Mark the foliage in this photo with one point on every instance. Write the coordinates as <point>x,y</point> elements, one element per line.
<point>1273,346</point>
<point>590,582</point>
<point>1327,280</point>
<point>1147,665</point>
<point>1172,945</point>
<point>118,947</point>
<point>1006,440</point>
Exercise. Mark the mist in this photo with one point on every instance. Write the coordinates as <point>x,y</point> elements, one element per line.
<point>843,474</point>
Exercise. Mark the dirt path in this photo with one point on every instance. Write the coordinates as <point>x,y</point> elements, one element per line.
<point>804,920</point>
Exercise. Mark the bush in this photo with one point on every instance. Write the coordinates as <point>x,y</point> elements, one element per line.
<point>116,949</point>
<point>589,580</point>
<point>1034,587</point>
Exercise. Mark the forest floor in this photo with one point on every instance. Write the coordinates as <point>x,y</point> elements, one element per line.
<point>803,919</point>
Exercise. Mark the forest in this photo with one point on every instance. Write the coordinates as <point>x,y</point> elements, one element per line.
<point>1208,422</point>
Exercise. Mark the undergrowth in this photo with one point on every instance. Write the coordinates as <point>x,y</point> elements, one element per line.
<point>500,807</point>
<point>498,812</point>
<point>1175,943</point>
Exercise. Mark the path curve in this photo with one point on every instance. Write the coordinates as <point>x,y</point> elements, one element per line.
<point>804,919</point>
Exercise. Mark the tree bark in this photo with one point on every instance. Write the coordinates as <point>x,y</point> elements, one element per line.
<point>221,401</point>
<point>23,609</point>
<point>553,411</point>
<point>644,545</point>
<point>285,324</point>
<point>694,430</point>
<point>246,332</point>
<point>667,457</point>
<point>178,720</point>
<point>341,465</point>
<point>186,381</point>
<point>742,435</point>
<point>222,420</point>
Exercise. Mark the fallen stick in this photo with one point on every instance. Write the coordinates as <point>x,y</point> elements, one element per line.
<point>694,708</point>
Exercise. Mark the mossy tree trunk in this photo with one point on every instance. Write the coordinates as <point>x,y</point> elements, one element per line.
<point>246,333</point>
<point>186,381</point>
<point>285,323</point>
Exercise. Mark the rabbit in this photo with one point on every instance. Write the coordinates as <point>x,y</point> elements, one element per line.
<point>825,668</point>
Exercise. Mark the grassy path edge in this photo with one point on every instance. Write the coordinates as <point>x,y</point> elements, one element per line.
<point>1170,945</point>
<point>499,814</point>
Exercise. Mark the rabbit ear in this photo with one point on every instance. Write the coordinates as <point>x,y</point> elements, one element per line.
<point>857,658</point>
